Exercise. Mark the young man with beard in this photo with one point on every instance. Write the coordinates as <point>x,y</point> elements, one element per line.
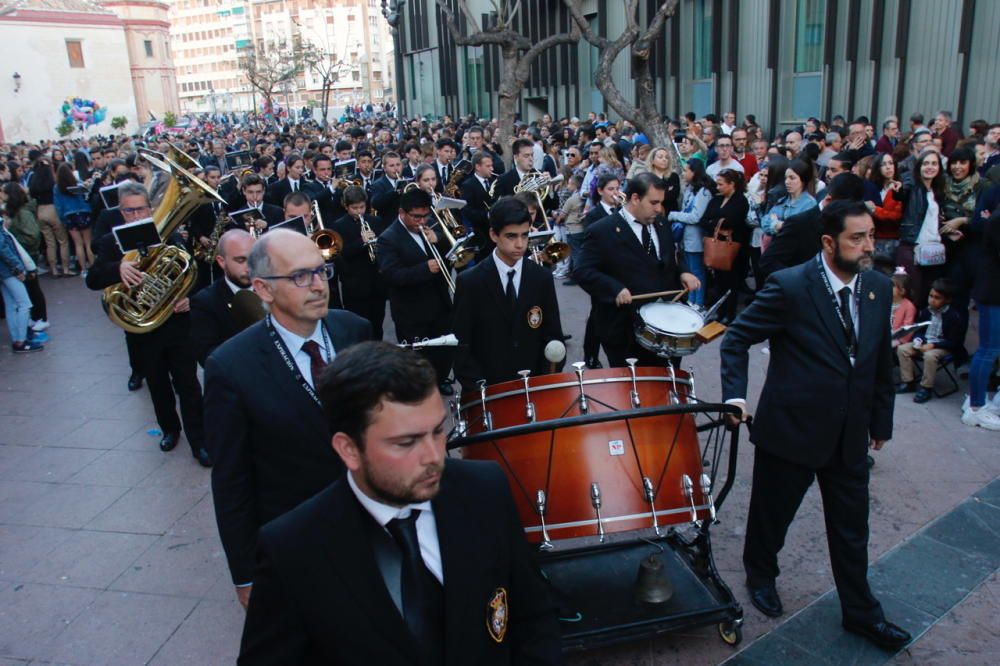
<point>212,318</point>
<point>828,397</point>
<point>411,557</point>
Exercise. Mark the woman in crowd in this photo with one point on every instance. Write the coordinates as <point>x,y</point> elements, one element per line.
<point>727,211</point>
<point>426,178</point>
<point>798,197</point>
<point>17,304</point>
<point>986,292</point>
<point>698,192</point>
<point>640,160</point>
<point>692,148</point>
<point>19,219</point>
<point>880,189</point>
<point>609,161</point>
<point>74,213</point>
<point>962,191</point>
<point>923,195</point>
<point>661,164</point>
<point>56,237</point>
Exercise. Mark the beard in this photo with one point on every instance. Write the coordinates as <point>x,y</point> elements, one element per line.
<point>397,492</point>
<point>859,265</point>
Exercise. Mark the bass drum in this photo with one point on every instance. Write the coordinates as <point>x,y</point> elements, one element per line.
<point>617,465</point>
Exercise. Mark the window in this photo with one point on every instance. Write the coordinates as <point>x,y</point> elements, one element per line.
<point>809,19</point>
<point>74,50</point>
<point>148,45</point>
<point>703,39</point>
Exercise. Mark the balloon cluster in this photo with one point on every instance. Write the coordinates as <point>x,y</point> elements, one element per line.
<point>85,111</point>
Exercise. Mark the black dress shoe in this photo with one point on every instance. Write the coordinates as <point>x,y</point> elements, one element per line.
<point>169,441</point>
<point>201,455</point>
<point>883,633</point>
<point>134,382</point>
<point>446,389</point>
<point>766,600</point>
<point>594,363</point>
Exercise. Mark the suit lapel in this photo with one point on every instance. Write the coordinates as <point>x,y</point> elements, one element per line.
<point>824,306</point>
<point>627,236</point>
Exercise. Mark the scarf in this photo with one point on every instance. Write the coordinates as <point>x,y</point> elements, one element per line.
<point>962,195</point>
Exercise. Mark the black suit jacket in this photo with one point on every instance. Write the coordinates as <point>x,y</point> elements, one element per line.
<point>357,274</point>
<point>269,440</point>
<point>384,199</point>
<point>277,192</point>
<point>417,297</point>
<point>320,598</point>
<point>212,321</point>
<point>495,342</point>
<point>595,214</point>
<point>797,241</point>
<point>506,183</point>
<point>813,401</point>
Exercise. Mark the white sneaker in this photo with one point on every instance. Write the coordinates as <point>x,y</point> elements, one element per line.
<point>39,325</point>
<point>981,417</point>
<point>990,406</point>
<point>995,402</point>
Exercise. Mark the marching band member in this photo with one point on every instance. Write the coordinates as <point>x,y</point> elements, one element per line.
<point>478,201</point>
<point>212,318</point>
<point>252,188</point>
<point>524,159</point>
<point>361,285</point>
<point>505,307</point>
<point>385,190</point>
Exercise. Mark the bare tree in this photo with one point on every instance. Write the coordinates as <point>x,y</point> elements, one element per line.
<point>266,70</point>
<point>639,40</point>
<point>517,53</point>
<point>325,66</point>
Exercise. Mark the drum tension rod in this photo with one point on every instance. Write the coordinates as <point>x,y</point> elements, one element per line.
<point>540,505</point>
<point>595,500</point>
<point>584,407</point>
<point>487,417</point>
<point>647,487</point>
<point>691,394</point>
<point>635,389</point>
<point>461,425</point>
<point>688,488</point>
<point>706,493</point>
<point>675,397</point>
<point>529,407</point>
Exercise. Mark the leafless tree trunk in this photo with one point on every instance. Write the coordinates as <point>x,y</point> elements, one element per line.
<point>517,53</point>
<point>639,40</point>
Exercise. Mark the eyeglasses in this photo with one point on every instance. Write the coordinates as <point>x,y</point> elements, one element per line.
<point>416,216</point>
<point>304,278</point>
<point>134,211</point>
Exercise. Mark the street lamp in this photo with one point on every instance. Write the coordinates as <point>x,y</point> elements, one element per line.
<point>392,10</point>
<point>17,82</point>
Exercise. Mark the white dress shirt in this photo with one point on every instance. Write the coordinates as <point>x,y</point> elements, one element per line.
<point>837,285</point>
<point>609,210</point>
<point>503,269</point>
<point>294,344</point>
<point>293,184</point>
<point>636,228</point>
<point>427,537</point>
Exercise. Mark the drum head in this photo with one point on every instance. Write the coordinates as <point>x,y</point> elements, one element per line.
<point>675,318</point>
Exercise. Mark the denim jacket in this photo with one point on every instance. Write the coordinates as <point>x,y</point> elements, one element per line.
<point>10,261</point>
<point>692,209</point>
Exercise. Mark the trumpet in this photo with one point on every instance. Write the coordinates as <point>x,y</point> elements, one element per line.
<point>329,242</point>
<point>444,268</point>
<point>620,198</point>
<point>366,230</point>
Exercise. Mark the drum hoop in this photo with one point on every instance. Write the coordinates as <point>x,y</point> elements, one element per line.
<point>551,527</point>
<point>586,382</point>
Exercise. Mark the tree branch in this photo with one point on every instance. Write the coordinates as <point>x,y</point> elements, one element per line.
<point>584,25</point>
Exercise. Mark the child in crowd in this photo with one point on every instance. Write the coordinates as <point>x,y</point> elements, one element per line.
<point>904,312</point>
<point>943,337</point>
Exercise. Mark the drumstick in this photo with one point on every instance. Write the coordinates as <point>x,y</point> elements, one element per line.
<point>657,294</point>
<point>678,296</point>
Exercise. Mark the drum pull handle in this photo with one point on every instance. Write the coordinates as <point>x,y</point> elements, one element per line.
<point>706,492</point>
<point>688,488</point>
<point>675,398</point>
<point>540,505</point>
<point>461,425</point>
<point>595,500</point>
<point>584,407</point>
<point>635,389</point>
<point>529,407</point>
<point>487,417</point>
<point>691,394</point>
<point>647,487</point>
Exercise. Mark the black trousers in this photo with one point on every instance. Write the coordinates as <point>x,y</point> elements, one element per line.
<point>38,309</point>
<point>370,306</point>
<point>591,343</point>
<point>777,491</point>
<point>170,366</point>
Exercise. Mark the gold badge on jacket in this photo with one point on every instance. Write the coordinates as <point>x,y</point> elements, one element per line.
<point>497,615</point>
<point>535,317</point>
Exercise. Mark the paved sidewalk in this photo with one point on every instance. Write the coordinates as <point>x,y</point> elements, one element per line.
<point>109,552</point>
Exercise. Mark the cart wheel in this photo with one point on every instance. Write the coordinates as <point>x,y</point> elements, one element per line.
<point>731,633</point>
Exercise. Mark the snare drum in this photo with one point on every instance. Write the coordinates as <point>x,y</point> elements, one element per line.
<point>668,329</point>
<point>588,480</point>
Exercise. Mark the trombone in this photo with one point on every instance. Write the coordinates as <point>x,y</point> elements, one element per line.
<point>329,242</point>
<point>538,184</point>
<point>460,253</point>
<point>443,267</point>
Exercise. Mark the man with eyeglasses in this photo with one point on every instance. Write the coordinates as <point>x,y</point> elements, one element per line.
<point>920,140</point>
<point>166,355</point>
<point>265,425</point>
<point>890,136</point>
<point>725,160</point>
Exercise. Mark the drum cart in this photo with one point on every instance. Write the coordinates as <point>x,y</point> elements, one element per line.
<point>594,579</point>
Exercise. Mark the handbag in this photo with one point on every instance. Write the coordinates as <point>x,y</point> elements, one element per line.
<point>929,250</point>
<point>720,249</point>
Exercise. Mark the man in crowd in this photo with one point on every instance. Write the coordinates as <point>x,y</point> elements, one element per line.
<point>213,319</point>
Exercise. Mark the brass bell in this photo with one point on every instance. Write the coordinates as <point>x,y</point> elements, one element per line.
<point>652,585</point>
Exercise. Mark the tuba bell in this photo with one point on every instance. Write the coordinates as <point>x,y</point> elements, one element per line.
<point>329,242</point>
<point>169,271</point>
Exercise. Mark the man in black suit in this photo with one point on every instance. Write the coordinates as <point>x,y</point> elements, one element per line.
<point>164,355</point>
<point>326,191</point>
<point>361,285</point>
<point>828,397</point>
<point>253,194</point>
<point>409,558</point>
<point>524,160</point>
<point>476,192</point>
<point>265,426</point>
<point>293,182</point>
<point>217,158</point>
<point>442,164</point>
<point>385,190</point>
<point>505,308</point>
<point>475,141</point>
<point>411,152</point>
<point>626,254</point>
<point>419,293</point>
<point>212,318</point>
<point>799,238</point>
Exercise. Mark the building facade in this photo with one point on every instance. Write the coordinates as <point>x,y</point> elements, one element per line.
<point>782,60</point>
<point>211,38</point>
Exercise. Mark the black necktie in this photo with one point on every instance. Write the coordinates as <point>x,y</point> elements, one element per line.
<point>845,309</point>
<point>509,291</point>
<point>316,361</point>
<point>427,248</point>
<point>444,175</point>
<point>647,241</point>
<point>295,186</point>
<point>423,595</point>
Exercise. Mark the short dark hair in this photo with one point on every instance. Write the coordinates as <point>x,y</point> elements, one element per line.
<point>963,154</point>
<point>833,216</point>
<point>643,183</point>
<point>734,178</point>
<point>362,376</point>
<point>296,199</point>
<point>846,186</point>
<point>414,198</point>
<point>343,145</point>
<point>522,143</point>
<point>507,211</point>
<point>251,179</point>
<point>946,287</point>
<point>481,156</point>
<point>354,195</point>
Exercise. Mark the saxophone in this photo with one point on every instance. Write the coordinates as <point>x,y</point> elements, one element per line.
<point>207,254</point>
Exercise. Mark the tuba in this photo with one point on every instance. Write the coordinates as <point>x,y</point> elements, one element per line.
<point>169,271</point>
<point>538,184</point>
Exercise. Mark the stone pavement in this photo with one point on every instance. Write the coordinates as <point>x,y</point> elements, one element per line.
<point>109,552</point>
